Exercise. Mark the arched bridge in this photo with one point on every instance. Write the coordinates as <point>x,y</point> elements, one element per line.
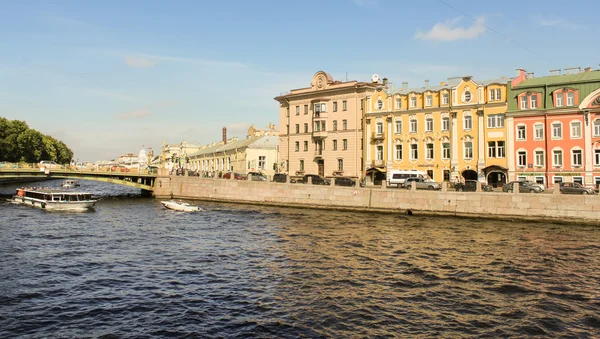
<point>143,180</point>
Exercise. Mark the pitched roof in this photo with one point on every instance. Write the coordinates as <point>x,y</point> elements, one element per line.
<point>561,79</point>
<point>267,141</point>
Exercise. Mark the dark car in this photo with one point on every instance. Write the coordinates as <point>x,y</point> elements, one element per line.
<point>280,177</point>
<point>345,182</point>
<point>236,176</point>
<point>575,188</point>
<point>524,187</point>
<point>316,179</point>
<point>471,186</point>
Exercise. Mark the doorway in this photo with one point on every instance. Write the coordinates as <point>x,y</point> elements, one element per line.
<point>321,164</point>
<point>496,179</point>
<point>469,175</point>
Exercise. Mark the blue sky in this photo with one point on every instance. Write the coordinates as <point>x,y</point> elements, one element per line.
<point>108,77</point>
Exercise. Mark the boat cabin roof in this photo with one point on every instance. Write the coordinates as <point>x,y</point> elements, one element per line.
<point>51,191</point>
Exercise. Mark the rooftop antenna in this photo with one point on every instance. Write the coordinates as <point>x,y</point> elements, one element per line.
<point>346,76</point>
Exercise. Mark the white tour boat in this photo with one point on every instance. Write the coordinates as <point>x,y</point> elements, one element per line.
<point>70,183</point>
<point>181,206</point>
<point>53,199</point>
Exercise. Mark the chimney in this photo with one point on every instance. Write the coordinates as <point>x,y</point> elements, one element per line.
<point>530,75</point>
<point>572,70</point>
<point>405,85</point>
<point>427,84</point>
<point>385,80</point>
<point>225,135</point>
<point>554,72</point>
<point>518,72</point>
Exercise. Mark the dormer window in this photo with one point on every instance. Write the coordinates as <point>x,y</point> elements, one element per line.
<point>571,99</point>
<point>534,102</point>
<point>413,102</point>
<point>560,97</point>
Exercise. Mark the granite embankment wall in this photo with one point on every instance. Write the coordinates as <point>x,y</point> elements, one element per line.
<point>497,205</point>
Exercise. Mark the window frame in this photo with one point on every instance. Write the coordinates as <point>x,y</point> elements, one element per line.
<point>521,128</point>
<point>576,157</point>
<point>467,122</point>
<point>468,150</point>
<point>521,158</point>
<point>398,151</point>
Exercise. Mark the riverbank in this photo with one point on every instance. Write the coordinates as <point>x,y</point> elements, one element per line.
<point>578,209</point>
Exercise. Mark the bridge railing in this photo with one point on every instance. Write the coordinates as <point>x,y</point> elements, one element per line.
<point>5,165</point>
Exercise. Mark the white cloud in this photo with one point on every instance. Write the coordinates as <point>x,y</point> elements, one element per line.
<point>137,114</point>
<point>447,31</point>
<point>555,22</point>
<point>366,3</point>
<point>113,95</point>
<point>140,62</point>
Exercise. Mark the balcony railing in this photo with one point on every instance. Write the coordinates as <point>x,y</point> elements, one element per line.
<point>378,163</point>
<point>377,136</point>
<point>318,153</point>
<point>319,134</point>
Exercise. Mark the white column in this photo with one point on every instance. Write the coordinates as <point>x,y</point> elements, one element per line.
<point>510,147</point>
<point>480,144</point>
<point>368,142</point>
<point>588,148</point>
<point>454,141</point>
<point>390,143</point>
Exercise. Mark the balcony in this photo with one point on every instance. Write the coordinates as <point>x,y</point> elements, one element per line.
<point>320,116</point>
<point>319,154</point>
<point>319,135</point>
<point>377,136</point>
<point>378,163</point>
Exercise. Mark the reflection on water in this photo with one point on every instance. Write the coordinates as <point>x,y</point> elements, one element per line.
<point>134,269</point>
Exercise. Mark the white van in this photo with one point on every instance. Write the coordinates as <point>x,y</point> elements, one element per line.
<point>398,177</point>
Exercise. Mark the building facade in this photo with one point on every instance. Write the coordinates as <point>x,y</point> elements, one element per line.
<point>554,127</point>
<point>452,131</point>
<point>321,127</point>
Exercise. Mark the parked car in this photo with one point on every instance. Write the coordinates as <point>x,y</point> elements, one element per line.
<point>524,187</point>
<point>120,169</point>
<point>345,182</point>
<point>280,177</point>
<point>471,186</point>
<point>316,179</point>
<point>49,164</point>
<point>236,176</point>
<point>256,176</point>
<point>575,188</point>
<point>535,184</point>
<point>421,183</point>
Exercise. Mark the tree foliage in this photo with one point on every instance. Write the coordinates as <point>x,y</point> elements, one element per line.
<point>19,143</point>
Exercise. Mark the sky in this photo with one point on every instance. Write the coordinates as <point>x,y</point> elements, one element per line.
<point>110,77</point>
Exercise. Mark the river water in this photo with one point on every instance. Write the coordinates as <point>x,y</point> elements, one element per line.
<point>131,269</point>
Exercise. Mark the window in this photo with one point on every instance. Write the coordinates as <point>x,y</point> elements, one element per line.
<point>429,125</point>
<point>306,146</point>
<point>340,164</point>
<point>262,160</point>
<point>399,126</point>
<point>570,99</point>
<point>344,124</point>
<point>576,157</point>
<point>305,109</point>
<point>445,99</point>
<point>297,146</point>
<point>575,130</point>
<point>500,150</point>
<point>467,96</point>
<point>335,125</point>
<point>398,103</point>
<point>317,109</point>
<point>399,152</point>
<point>335,145</point>
<point>498,94</point>
<point>335,106</point>
<point>305,127</point>
<point>521,132</point>
<point>524,102</point>
<point>560,97</point>
<point>597,128</point>
<point>578,180</point>
<point>413,126</point>
<point>539,158</point>
<point>379,153</point>
<point>557,158</point>
<point>538,132</point>
<point>556,130</point>
<point>428,101</point>
<point>317,126</point>
<point>597,157</point>
<point>414,152</point>
<point>344,105</point>
<point>468,150</point>
<point>533,102</point>
<point>521,158</point>
<point>345,144</point>
<point>446,150</point>
<point>445,124</point>
<point>492,95</point>
<point>297,128</point>
<point>558,180</point>
<point>491,149</point>
<point>379,104</point>
<point>413,102</point>
<point>297,110</point>
<point>495,120</point>
<point>302,165</point>
<point>468,122</point>
<point>379,128</point>
<point>429,151</point>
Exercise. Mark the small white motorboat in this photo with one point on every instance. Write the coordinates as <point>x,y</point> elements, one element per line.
<point>181,206</point>
<point>70,184</point>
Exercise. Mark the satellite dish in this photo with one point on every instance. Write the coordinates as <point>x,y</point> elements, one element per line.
<point>375,78</point>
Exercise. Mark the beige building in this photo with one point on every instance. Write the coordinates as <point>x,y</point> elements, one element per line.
<point>321,127</point>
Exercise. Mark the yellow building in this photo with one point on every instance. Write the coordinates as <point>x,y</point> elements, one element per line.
<point>451,131</point>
